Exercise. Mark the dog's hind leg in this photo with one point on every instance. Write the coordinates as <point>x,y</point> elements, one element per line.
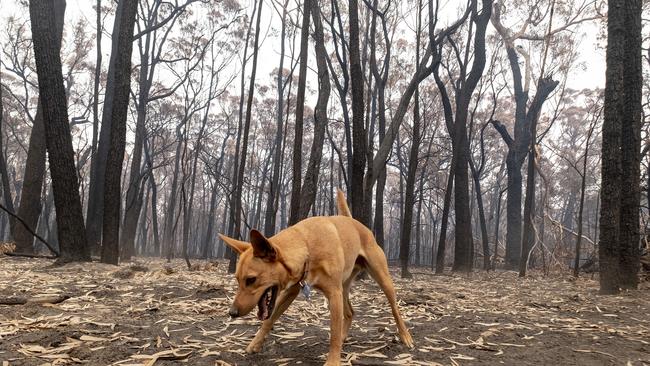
<point>378,269</point>
<point>284,300</point>
<point>348,312</point>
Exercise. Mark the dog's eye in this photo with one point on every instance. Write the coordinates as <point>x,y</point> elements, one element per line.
<point>250,280</point>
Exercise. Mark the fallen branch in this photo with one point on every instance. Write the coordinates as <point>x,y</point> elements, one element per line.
<point>56,253</point>
<point>39,299</point>
<point>27,255</point>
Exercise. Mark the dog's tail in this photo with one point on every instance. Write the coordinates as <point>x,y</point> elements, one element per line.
<point>342,204</point>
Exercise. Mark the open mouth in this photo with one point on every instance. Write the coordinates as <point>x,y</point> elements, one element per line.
<point>267,303</point>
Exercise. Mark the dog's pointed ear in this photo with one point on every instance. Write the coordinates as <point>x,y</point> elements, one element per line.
<point>262,247</point>
<point>236,245</point>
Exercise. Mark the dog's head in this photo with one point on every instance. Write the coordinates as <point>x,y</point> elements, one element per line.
<point>261,275</point>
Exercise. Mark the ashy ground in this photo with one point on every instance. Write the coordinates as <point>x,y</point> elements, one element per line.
<point>151,312</point>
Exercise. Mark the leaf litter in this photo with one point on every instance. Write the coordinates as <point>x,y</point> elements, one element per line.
<point>151,312</point>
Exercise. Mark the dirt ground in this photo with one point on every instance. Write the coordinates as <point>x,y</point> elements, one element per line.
<point>150,312</point>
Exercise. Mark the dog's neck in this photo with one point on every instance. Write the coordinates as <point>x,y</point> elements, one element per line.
<point>294,253</point>
<point>295,276</point>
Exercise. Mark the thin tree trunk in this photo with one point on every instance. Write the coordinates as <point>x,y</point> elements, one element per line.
<point>272,201</point>
<point>528,239</point>
<point>442,241</point>
<point>6,189</point>
<point>359,149</point>
<point>481,215</point>
<point>308,190</point>
<point>30,196</point>
<point>583,186</point>
<point>94,247</point>
<point>294,215</point>
<point>132,204</point>
<point>237,199</point>
<point>168,236</point>
<point>496,229</point>
<point>240,120</point>
<point>409,199</point>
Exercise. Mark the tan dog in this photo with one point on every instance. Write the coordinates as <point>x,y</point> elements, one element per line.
<point>325,252</point>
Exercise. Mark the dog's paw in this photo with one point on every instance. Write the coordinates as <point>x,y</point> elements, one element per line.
<point>253,348</point>
<point>407,340</point>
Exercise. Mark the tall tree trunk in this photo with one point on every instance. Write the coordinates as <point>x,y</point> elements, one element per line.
<point>30,196</point>
<point>528,239</point>
<point>237,199</point>
<point>132,205</point>
<point>96,194</point>
<point>272,198</point>
<point>358,131</point>
<point>513,211</point>
<point>518,146</point>
<point>170,215</point>
<point>381,77</point>
<point>94,247</point>
<point>294,215</point>
<point>618,250</point>
<point>464,246</point>
<point>497,223</point>
<point>630,149</point>
<point>70,225</point>
<point>442,241</point>
<point>122,45</point>
<point>240,121</point>
<point>6,189</point>
<point>308,190</point>
<point>409,199</point>
<point>481,215</point>
<point>583,186</point>
<point>206,251</point>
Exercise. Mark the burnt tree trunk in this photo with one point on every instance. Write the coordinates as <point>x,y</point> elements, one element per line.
<point>95,133</point>
<point>308,190</point>
<point>358,131</point>
<point>618,249</point>
<point>123,46</point>
<point>274,183</point>
<point>30,196</point>
<point>442,241</point>
<point>296,182</point>
<point>528,238</point>
<point>583,186</point>
<point>237,197</point>
<point>6,189</point>
<point>380,75</point>
<point>70,225</point>
<point>240,121</point>
<point>544,88</point>
<point>409,197</point>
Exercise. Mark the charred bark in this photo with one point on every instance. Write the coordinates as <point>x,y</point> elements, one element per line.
<point>70,225</point>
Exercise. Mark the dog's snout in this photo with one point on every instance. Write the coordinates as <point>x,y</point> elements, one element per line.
<point>233,312</point>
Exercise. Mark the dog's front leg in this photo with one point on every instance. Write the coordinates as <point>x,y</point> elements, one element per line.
<point>284,300</point>
<point>335,299</point>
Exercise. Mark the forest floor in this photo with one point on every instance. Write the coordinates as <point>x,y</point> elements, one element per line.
<point>150,312</point>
